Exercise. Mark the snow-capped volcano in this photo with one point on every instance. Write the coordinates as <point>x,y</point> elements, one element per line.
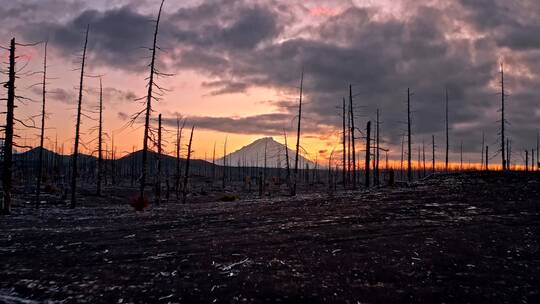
<point>253,155</point>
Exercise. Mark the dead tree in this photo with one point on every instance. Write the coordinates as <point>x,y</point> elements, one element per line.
<point>158,175</point>
<point>295,177</point>
<point>487,158</point>
<point>188,160</point>
<point>264,169</point>
<point>7,165</point>
<point>179,131</point>
<point>461,156</point>
<point>78,128</point>
<point>526,160</point>
<point>377,153</point>
<point>349,146</point>
<point>409,142</point>
<point>424,156</point>
<point>287,163</point>
<point>344,173</point>
<point>368,151</point>
<point>508,153</point>
<point>433,154</point>
<point>538,150</point>
<point>482,156</point>
<point>353,152</point>
<point>504,164</point>
<point>447,140</point>
<point>42,133</point>
<point>402,156</point>
<point>100,141</point>
<point>148,108</point>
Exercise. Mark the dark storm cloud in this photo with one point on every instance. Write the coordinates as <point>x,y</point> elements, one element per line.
<point>513,24</point>
<point>115,38</point>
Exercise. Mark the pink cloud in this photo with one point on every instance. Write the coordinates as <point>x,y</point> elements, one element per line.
<point>323,11</point>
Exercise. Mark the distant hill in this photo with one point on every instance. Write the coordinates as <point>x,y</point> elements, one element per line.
<point>253,155</point>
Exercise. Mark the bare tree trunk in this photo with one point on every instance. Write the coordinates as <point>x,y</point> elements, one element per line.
<point>264,169</point>
<point>158,175</point>
<point>508,153</point>
<point>526,160</point>
<point>287,163</point>
<point>502,120</point>
<point>186,175</point>
<point>178,175</point>
<point>402,155</point>
<point>461,156</point>
<point>368,151</point>
<point>482,158</point>
<point>100,141</point>
<point>447,142</point>
<point>42,134</point>
<point>295,177</point>
<point>487,158</point>
<point>77,128</point>
<point>349,146</point>
<point>424,157</point>
<point>8,133</point>
<point>537,150</point>
<point>344,173</point>
<point>148,109</point>
<point>433,154</point>
<point>377,151</point>
<point>352,138</point>
<point>409,163</point>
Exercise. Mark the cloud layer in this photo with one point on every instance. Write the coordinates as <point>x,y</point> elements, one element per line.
<point>240,44</point>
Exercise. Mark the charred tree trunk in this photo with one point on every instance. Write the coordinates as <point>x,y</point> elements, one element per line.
<point>100,141</point>
<point>402,156</point>
<point>433,154</point>
<point>447,142</point>
<point>344,173</point>
<point>368,151</point>
<point>409,142</point>
<point>461,156</point>
<point>178,175</point>
<point>8,133</point>
<point>502,120</point>
<point>295,177</point>
<point>377,153</point>
<point>78,128</point>
<point>487,158</point>
<point>42,133</point>
<point>186,175</point>
<point>158,175</point>
<point>424,157</point>
<point>148,110</point>
<point>508,153</point>
<point>352,139</point>
<point>287,163</point>
<point>482,156</point>
<point>526,160</point>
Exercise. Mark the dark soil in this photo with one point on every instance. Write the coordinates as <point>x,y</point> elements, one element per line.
<point>458,238</point>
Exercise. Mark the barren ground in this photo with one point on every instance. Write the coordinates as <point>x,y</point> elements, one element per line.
<point>456,238</point>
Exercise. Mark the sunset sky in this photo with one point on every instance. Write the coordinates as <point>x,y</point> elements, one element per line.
<point>237,66</point>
